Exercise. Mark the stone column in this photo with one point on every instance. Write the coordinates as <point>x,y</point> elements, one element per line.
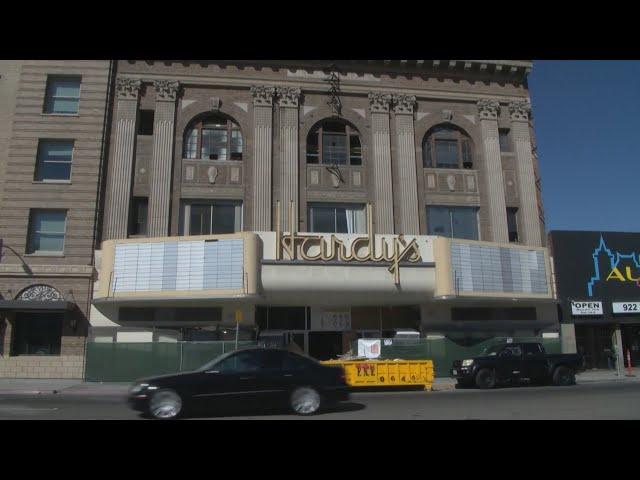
<point>162,163</point>
<point>383,195</point>
<point>488,114</point>
<point>121,165</point>
<point>288,100</point>
<point>529,216</point>
<point>262,129</point>
<point>406,164</point>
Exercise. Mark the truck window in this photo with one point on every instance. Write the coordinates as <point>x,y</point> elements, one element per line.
<point>531,349</point>
<point>511,351</point>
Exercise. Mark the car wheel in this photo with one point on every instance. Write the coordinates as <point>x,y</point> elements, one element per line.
<point>485,379</point>
<point>564,376</point>
<point>165,404</point>
<point>305,401</point>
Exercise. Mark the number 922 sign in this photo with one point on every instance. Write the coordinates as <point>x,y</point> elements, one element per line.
<point>626,307</point>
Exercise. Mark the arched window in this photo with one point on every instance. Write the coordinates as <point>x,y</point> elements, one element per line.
<point>446,146</point>
<point>334,142</point>
<point>213,138</point>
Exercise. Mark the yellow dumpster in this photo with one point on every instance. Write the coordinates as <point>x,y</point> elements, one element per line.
<point>386,373</point>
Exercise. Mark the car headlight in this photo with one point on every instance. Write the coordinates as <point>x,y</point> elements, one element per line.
<point>137,388</point>
<point>466,363</point>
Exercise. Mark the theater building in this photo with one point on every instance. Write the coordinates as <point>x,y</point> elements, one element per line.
<point>321,202</point>
<point>598,287</point>
<point>53,119</point>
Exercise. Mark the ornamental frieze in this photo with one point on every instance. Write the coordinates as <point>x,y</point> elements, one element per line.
<point>288,96</point>
<point>520,110</point>
<point>128,88</point>
<point>262,95</point>
<point>404,103</point>
<point>41,293</point>
<point>379,102</point>
<point>166,90</point>
<point>488,109</point>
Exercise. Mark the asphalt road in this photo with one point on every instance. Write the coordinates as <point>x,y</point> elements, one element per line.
<point>610,400</point>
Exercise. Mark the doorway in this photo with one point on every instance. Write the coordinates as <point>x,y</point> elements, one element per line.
<point>594,342</point>
<point>325,345</point>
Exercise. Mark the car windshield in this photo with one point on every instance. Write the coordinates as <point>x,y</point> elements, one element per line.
<point>492,351</point>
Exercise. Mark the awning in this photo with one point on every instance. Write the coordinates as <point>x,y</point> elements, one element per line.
<point>481,326</point>
<point>35,305</point>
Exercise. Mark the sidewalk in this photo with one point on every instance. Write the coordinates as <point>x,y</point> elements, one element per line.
<point>25,386</point>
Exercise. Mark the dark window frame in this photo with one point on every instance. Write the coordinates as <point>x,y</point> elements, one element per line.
<point>335,206</point>
<point>447,132</point>
<point>136,227</point>
<point>30,231</point>
<point>512,213</point>
<point>47,108</point>
<point>22,336</point>
<point>146,122</point>
<point>451,224</point>
<point>186,227</point>
<point>40,161</point>
<point>349,132</point>
<point>207,124</point>
<point>504,138</point>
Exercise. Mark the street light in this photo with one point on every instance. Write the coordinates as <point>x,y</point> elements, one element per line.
<point>25,267</point>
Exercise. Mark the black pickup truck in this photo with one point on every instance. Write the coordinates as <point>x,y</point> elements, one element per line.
<point>514,363</point>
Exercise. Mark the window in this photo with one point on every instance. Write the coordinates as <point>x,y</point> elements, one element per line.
<point>446,146</point>
<point>54,160</point>
<point>139,211</point>
<point>453,222</point>
<point>511,351</point>
<point>213,138</point>
<point>531,349</point>
<point>37,334</point>
<point>242,362</point>
<point>334,142</point>
<point>63,95</point>
<point>512,224</point>
<point>145,123</point>
<point>337,218</point>
<point>485,314</point>
<point>294,362</point>
<point>504,139</point>
<point>207,217</point>
<point>46,231</point>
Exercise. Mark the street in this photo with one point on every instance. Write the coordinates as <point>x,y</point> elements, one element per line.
<point>597,401</point>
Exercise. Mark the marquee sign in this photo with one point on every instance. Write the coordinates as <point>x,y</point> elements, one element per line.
<point>619,267</point>
<point>362,249</point>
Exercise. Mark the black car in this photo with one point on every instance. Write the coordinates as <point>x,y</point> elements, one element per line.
<point>513,363</point>
<point>243,380</point>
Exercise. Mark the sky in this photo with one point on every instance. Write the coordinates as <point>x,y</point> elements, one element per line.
<point>587,123</point>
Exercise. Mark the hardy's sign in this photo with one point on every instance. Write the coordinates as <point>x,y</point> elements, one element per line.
<point>393,251</point>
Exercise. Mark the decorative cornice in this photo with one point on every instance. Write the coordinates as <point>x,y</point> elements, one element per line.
<point>404,104</point>
<point>288,96</point>
<point>128,88</point>
<point>9,269</point>
<point>263,95</point>
<point>379,102</point>
<point>166,90</point>
<point>488,109</point>
<point>520,111</point>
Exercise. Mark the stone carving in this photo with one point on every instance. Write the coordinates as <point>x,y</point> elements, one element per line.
<point>451,183</point>
<point>488,109</point>
<point>212,173</point>
<point>215,103</point>
<point>334,93</point>
<point>288,96</point>
<point>404,103</point>
<point>235,175</point>
<point>520,110</point>
<point>128,88</point>
<point>471,183</point>
<point>262,95</point>
<point>166,90</point>
<point>431,181</point>
<point>447,115</point>
<point>41,293</point>
<point>190,173</point>
<point>357,179</point>
<point>379,102</point>
<point>314,177</point>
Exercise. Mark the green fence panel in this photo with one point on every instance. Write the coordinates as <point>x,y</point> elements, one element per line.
<point>126,362</point>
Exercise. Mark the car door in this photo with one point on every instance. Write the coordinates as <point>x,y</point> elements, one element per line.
<point>510,363</point>
<point>534,364</point>
<point>231,383</point>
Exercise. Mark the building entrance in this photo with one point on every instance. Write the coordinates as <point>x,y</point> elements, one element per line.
<point>325,345</point>
<point>596,344</point>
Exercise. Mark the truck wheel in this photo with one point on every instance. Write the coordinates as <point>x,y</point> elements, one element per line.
<point>563,376</point>
<point>485,379</point>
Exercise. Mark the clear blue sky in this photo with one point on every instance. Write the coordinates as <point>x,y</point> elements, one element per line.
<point>587,123</point>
